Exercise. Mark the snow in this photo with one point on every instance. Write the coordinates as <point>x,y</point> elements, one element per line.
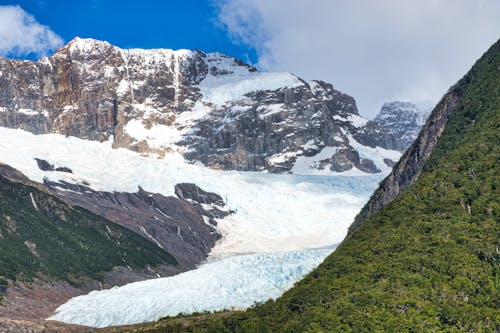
<point>163,136</point>
<point>123,88</point>
<point>311,144</point>
<point>33,202</point>
<point>376,154</point>
<point>270,109</point>
<point>229,87</point>
<point>283,157</point>
<point>198,111</point>
<point>238,281</point>
<point>355,120</point>
<point>306,165</point>
<point>31,112</point>
<point>158,136</point>
<point>315,87</point>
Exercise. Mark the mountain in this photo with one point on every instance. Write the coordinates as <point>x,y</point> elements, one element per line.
<point>51,251</point>
<point>423,255</point>
<point>209,107</point>
<point>404,119</point>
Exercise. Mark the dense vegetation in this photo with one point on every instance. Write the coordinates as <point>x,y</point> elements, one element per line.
<point>428,262</point>
<point>55,240</point>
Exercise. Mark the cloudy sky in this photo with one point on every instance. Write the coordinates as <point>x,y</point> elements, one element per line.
<point>374,50</point>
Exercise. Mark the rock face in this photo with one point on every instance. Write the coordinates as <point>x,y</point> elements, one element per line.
<point>409,167</point>
<point>404,119</point>
<point>183,226</point>
<point>208,107</point>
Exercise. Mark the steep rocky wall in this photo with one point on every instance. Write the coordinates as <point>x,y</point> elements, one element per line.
<point>409,167</point>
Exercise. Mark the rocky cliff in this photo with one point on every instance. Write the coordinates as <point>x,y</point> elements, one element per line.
<point>207,106</point>
<point>409,167</point>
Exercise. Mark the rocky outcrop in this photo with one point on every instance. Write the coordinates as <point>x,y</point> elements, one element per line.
<point>404,119</point>
<point>209,107</point>
<point>46,166</point>
<point>183,226</point>
<point>409,167</point>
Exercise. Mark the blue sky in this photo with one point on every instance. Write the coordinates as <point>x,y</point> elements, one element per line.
<point>174,24</point>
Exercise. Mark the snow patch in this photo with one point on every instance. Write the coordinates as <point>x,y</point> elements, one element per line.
<point>123,88</point>
<point>158,136</point>
<point>283,157</point>
<point>355,120</point>
<point>224,88</point>
<point>376,154</point>
<point>270,109</point>
<point>311,144</point>
<point>33,202</point>
<point>311,165</point>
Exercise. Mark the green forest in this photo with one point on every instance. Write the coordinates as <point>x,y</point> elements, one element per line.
<point>55,240</point>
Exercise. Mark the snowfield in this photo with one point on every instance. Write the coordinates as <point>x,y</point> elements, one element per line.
<point>274,212</point>
<point>270,242</point>
<point>232,283</point>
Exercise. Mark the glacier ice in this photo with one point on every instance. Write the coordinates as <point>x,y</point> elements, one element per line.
<point>234,282</point>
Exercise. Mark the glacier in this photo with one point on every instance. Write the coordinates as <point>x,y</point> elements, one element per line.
<point>283,225</point>
<point>232,283</point>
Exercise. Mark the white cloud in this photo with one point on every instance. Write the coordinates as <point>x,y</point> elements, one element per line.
<point>21,34</point>
<point>375,50</point>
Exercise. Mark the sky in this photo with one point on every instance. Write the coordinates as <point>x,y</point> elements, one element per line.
<point>373,50</point>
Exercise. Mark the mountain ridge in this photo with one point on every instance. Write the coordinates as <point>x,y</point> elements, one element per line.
<point>208,107</point>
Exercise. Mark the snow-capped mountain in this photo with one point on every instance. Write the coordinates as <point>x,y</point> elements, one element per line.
<point>404,119</point>
<point>208,107</point>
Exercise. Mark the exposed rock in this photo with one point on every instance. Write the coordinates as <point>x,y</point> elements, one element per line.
<point>389,162</point>
<point>44,165</point>
<point>8,325</point>
<point>190,191</point>
<point>64,169</point>
<point>216,109</point>
<point>347,158</point>
<point>178,225</point>
<point>367,165</point>
<point>404,119</point>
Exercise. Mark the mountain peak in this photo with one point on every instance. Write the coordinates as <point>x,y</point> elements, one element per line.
<point>405,119</point>
<point>86,44</point>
